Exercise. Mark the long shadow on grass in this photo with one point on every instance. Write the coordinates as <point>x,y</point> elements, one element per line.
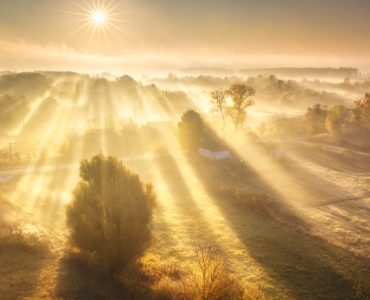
<point>19,273</point>
<point>78,280</point>
<point>318,187</point>
<point>338,161</point>
<point>307,267</point>
<point>184,209</point>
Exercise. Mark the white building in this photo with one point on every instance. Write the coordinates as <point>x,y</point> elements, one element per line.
<point>215,155</point>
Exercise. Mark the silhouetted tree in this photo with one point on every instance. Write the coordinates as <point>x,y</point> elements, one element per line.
<point>109,217</point>
<point>190,130</point>
<point>218,101</point>
<point>361,111</point>
<point>211,279</point>
<point>239,94</point>
<point>336,117</point>
<point>316,115</point>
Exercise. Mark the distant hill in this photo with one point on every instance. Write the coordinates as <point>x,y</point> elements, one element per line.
<point>342,72</point>
<point>302,72</point>
<point>208,71</point>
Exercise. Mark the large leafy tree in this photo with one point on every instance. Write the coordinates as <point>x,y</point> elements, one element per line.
<point>191,130</point>
<point>218,101</point>
<point>336,118</point>
<point>109,217</point>
<point>240,94</point>
<point>361,111</point>
<point>315,116</point>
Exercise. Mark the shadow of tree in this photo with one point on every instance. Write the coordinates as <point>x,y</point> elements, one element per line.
<point>307,267</point>
<point>319,188</point>
<point>19,274</point>
<point>77,280</point>
<point>184,203</point>
<point>334,159</point>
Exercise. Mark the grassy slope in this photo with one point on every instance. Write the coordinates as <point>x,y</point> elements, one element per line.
<point>285,262</point>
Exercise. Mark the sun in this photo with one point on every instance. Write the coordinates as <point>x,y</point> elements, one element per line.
<point>98,17</point>
<point>100,20</point>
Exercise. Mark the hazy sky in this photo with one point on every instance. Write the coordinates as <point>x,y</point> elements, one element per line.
<point>170,33</point>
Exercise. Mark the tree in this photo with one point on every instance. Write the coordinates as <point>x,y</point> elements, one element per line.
<point>191,130</point>
<point>336,117</point>
<point>239,94</point>
<point>211,278</point>
<point>316,115</point>
<point>109,217</point>
<point>361,111</point>
<point>218,101</point>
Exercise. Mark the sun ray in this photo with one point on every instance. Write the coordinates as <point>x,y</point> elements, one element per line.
<point>36,104</point>
<point>188,196</point>
<point>51,185</point>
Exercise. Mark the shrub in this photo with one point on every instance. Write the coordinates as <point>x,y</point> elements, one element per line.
<point>109,217</point>
<point>190,130</point>
<point>213,279</point>
<point>17,236</point>
<point>25,238</point>
<point>209,279</point>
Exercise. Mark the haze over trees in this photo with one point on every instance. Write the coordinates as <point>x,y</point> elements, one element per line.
<point>303,72</point>
<point>346,124</point>
<point>185,150</point>
<point>295,181</point>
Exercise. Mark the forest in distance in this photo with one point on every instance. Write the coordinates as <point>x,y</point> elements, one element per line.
<point>187,186</point>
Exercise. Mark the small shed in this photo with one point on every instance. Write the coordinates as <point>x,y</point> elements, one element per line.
<point>216,155</point>
<point>215,151</point>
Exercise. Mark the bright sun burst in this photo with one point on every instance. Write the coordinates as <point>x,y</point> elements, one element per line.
<point>98,17</point>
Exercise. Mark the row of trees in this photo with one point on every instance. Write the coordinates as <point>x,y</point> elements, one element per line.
<point>336,119</point>
<point>233,102</point>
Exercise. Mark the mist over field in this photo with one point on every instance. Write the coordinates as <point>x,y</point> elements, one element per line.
<point>184,150</point>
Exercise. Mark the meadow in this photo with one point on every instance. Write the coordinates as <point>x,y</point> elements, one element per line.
<point>288,209</point>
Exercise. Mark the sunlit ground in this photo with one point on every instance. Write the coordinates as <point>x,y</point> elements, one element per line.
<point>187,215</point>
<point>259,250</point>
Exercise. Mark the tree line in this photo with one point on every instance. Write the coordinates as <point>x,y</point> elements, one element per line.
<point>339,118</point>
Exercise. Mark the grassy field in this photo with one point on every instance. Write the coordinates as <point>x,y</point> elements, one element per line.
<point>283,260</point>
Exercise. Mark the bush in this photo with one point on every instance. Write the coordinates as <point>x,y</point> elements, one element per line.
<point>109,217</point>
<point>17,236</point>
<point>190,130</point>
<point>26,238</point>
<point>212,279</point>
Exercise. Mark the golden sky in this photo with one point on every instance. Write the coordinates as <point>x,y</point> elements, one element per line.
<point>170,34</point>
